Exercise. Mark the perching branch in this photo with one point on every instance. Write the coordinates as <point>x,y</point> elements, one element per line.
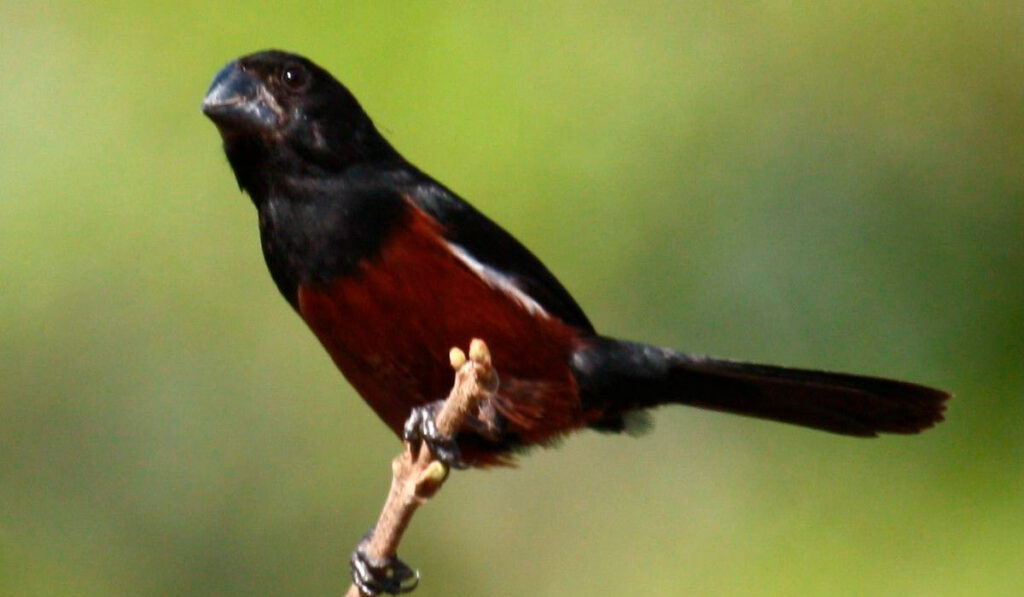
<point>416,474</point>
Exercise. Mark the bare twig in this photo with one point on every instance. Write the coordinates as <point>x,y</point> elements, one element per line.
<point>416,474</point>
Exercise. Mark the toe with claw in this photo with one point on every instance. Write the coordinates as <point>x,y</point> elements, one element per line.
<point>421,427</point>
<point>391,576</point>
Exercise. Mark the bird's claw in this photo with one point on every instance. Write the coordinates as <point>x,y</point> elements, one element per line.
<point>373,577</point>
<point>421,427</point>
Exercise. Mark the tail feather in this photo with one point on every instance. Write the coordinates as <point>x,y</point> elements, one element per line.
<point>617,377</point>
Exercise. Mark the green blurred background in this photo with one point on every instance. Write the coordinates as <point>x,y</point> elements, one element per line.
<point>826,184</point>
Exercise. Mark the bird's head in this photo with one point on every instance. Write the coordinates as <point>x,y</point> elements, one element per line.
<point>280,113</point>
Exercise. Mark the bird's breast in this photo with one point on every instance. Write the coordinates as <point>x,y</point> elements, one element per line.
<point>324,234</point>
<point>389,323</point>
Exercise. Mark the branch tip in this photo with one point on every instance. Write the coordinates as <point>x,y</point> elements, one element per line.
<point>456,357</point>
<point>479,352</point>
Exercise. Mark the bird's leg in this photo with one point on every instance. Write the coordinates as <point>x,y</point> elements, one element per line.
<point>421,426</point>
<point>373,577</point>
<point>438,423</point>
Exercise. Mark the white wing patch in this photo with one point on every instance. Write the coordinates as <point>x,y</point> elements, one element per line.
<point>498,281</point>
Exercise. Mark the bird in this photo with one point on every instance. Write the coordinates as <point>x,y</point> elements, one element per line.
<point>389,269</point>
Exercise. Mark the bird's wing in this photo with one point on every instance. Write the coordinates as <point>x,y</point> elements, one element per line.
<point>495,254</point>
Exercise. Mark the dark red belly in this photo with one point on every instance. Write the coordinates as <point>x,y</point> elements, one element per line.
<point>389,327</point>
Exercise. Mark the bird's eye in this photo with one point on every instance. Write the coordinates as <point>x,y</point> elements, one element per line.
<point>294,77</point>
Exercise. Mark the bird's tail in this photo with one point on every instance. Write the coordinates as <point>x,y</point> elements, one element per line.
<point>617,377</point>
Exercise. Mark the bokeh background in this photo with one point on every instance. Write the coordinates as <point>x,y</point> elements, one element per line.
<point>827,184</point>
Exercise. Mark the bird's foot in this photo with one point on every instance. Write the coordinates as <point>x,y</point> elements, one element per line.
<point>421,427</point>
<point>373,577</point>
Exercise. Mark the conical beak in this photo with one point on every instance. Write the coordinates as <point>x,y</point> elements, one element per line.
<point>238,102</point>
